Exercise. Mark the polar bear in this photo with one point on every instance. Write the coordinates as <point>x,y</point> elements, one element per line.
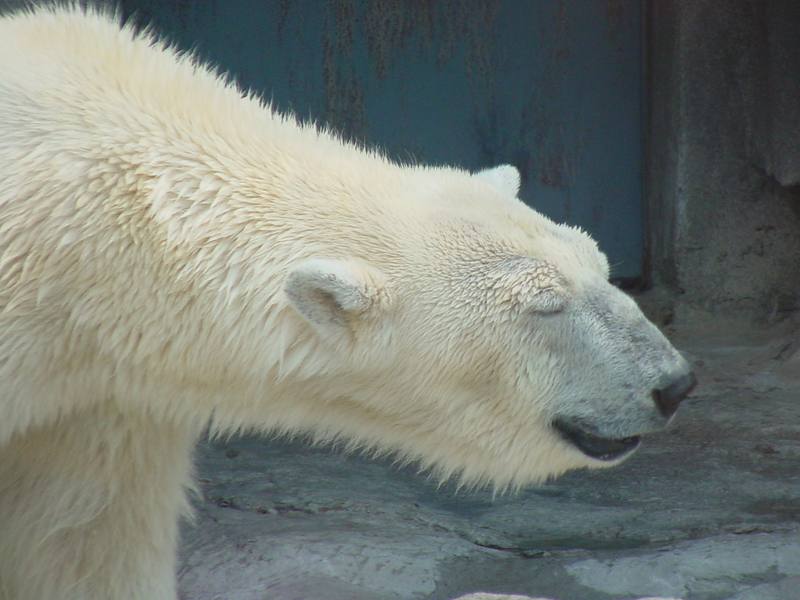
<point>174,256</point>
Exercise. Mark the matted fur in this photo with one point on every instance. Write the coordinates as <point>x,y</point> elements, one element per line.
<point>174,254</point>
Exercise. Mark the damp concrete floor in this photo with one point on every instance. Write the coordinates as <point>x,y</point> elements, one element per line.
<point>707,510</point>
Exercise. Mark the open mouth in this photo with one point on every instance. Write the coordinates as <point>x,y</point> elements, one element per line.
<point>596,447</point>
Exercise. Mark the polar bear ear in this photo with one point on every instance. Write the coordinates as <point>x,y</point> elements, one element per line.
<point>331,294</point>
<point>506,178</point>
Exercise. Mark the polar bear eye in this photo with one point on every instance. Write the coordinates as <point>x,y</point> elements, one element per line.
<point>548,302</point>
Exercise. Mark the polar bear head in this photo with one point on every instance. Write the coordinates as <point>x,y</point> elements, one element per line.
<point>485,340</point>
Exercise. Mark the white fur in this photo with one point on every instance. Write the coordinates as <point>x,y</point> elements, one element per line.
<point>173,253</point>
<point>504,177</point>
<point>332,294</point>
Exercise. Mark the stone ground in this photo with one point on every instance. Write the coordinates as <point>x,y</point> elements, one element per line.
<point>707,510</point>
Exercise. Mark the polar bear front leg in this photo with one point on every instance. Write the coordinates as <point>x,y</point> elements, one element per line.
<point>89,508</point>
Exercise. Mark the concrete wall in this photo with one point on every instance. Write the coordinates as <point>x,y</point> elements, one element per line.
<point>723,159</point>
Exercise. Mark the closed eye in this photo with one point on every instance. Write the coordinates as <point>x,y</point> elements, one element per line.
<point>549,302</point>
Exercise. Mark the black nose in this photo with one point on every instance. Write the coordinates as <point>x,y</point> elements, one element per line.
<point>668,398</point>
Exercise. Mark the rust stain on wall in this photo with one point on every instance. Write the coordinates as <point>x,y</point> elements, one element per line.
<point>441,29</point>
<point>614,12</point>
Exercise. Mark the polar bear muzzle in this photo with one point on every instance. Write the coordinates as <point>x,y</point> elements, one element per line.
<point>579,434</point>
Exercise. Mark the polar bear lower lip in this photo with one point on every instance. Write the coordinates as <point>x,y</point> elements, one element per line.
<point>599,448</point>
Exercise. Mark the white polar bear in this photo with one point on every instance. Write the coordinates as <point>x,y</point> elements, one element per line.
<point>174,255</point>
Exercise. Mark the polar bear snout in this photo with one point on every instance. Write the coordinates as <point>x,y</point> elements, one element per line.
<point>669,397</point>
<point>631,382</point>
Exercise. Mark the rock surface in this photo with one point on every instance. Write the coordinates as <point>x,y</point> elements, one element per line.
<point>707,510</point>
